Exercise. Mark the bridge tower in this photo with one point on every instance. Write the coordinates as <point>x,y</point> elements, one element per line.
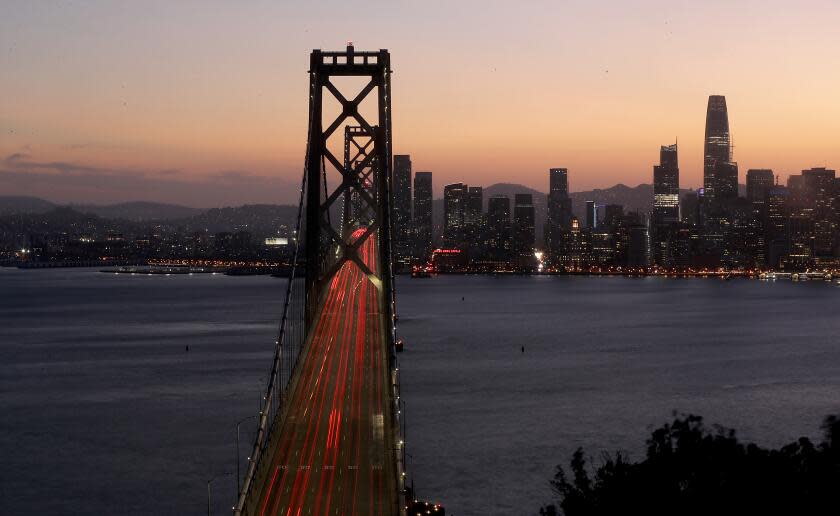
<point>358,145</point>
<point>365,174</point>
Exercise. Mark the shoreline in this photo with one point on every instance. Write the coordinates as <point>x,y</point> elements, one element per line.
<point>283,272</point>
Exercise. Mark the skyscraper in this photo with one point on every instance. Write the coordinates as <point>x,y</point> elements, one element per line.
<point>717,148</point>
<point>454,209</point>
<point>559,210</point>
<point>689,208</point>
<point>558,182</point>
<point>613,214</point>
<point>820,185</point>
<point>666,185</point>
<point>726,183</point>
<point>402,207</point>
<point>759,182</point>
<point>637,247</point>
<point>524,224</point>
<point>666,202</point>
<point>423,215</point>
<point>777,228</point>
<point>473,213</point>
<point>498,225</point>
<point>591,214</point>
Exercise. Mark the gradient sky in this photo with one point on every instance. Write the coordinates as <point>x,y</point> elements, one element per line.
<point>205,103</point>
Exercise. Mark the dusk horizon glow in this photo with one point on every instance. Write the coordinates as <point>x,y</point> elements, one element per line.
<point>207,106</point>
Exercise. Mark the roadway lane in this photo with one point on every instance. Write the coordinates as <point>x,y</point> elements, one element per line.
<point>334,455</point>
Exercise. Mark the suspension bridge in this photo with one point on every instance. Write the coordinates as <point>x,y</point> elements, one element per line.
<point>330,434</point>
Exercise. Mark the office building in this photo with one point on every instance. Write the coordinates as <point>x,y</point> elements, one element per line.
<point>524,221</point>
<point>559,209</point>
<point>422,216</point>
<point>473,216</point>
<point>666,203</point>
<point>498,227</point>
<point>591,214</point>
<point>402,207</point>
<point>454,210</point>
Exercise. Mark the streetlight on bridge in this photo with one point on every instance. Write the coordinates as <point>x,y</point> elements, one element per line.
<point>238,477</point>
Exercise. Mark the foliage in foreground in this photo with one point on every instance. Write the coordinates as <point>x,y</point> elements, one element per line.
<point>693,470</point>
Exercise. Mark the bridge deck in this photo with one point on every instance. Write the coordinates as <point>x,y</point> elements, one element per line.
<point>334,453</point>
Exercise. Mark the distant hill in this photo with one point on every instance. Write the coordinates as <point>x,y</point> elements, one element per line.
<point>19,204</point>
<point>638,198</point>
<point>61,219</point>
<point>139,211</point>
<point>134,211</point>
<point>258,219</point>
<point>266,219</point>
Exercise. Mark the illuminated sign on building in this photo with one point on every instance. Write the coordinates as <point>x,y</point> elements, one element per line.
<point>276,241</point>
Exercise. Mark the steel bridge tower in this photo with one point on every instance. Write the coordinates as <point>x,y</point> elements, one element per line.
<point>365,175</point>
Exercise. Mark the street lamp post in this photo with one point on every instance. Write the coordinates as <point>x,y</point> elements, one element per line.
<point>208,488</point>
<point>238,487</point>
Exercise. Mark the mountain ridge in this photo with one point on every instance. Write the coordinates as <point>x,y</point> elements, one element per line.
<point>633,198</point>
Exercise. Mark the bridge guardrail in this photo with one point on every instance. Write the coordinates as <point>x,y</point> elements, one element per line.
<point>289,343</point>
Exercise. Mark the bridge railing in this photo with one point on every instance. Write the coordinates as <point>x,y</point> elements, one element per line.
<point>287,349</point>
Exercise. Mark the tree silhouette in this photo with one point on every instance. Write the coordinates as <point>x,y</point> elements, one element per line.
<point>690,469</point>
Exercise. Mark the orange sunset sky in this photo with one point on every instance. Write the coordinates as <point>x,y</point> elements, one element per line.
<point>205,103</point>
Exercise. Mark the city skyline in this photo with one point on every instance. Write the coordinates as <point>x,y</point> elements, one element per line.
<point>404,258</point>
<point>157,106</point>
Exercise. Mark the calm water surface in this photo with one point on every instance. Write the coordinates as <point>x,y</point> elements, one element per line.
<point>103,410</point>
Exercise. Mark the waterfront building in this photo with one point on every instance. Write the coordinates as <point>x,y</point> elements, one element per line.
<point>422,223</point>
<point>524,224</point>
<point>666,203</point>
<point>402,209</point>
<point>454,208</point>
<point>498,241</point>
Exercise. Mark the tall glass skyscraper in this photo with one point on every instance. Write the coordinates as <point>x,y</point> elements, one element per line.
<point>666,185</point>
<point>717,153</point>
<point>666,203</point>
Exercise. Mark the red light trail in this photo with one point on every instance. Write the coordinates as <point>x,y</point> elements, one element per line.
<point>336,435</point>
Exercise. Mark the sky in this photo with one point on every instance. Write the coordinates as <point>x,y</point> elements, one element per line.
<point>205,103</point>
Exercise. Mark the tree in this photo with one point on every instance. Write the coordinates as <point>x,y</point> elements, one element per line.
<point>690,469</point>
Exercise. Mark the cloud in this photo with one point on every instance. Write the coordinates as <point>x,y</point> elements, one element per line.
<point>91,145</point>
<point>232,175</point>
<point>20,161</point>
<point>17,156</point>
<point>75,182</point>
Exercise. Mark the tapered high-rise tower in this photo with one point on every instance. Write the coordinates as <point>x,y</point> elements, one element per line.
<point>717,153</point>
